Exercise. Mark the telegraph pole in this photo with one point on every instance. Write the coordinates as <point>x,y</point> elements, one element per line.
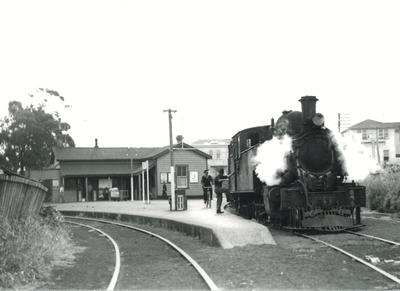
<point>377,146</point>
<point>343,121</point>
<point>171,152</point>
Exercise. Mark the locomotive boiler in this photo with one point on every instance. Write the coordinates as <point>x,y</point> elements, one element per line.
<point>312,192</point>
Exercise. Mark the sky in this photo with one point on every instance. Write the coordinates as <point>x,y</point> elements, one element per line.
<point>223,65</point>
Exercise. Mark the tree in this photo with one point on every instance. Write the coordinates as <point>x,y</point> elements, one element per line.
<point>28,135</point>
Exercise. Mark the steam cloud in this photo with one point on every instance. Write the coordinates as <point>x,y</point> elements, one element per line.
<point>270,159</point>
<point>357,162</point>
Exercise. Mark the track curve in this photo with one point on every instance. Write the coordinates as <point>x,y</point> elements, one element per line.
<point>206,278</point>
<point>117,267</point>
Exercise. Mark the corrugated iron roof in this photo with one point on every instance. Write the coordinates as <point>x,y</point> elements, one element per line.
<point>123,153</point>
<point>211,142</point>
<point>63,154</point>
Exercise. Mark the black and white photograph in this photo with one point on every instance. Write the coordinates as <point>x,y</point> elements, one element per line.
<point>199,145</point>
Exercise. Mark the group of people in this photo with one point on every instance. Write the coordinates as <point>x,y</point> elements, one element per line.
<point>206,183</point>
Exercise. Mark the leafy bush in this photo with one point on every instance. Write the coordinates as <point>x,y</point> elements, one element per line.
<point>51,216</point>
<point>383,189</point>
<point>28,247</point>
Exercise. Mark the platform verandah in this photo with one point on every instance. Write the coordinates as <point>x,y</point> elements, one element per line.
<point>97,187</point>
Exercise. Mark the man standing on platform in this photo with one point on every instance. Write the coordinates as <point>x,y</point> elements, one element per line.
<point>219,189</point>
<point>62,198</point>
<point>206,181</point>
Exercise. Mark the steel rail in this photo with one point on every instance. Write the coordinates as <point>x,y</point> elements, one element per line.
<point>374,237</point>
<point>117,267</point>
<point>382,220</point>
<point>209,282</point>
<point>358,259</point>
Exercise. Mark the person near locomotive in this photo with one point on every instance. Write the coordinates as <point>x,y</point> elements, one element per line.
<point>219,189</point>
<point>206,182</point>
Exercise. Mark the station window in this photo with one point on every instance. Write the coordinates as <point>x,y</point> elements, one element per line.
<point>364,134</point>
<point>181,176</point>
<point>380,133</point>
<point>386,133</point>
<point>218,155</point>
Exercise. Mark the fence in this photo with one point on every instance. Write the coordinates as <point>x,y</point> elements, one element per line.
<point>20,197</point>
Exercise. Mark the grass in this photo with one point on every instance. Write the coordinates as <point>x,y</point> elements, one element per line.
<point>383,189</point>
<point>29,247</point>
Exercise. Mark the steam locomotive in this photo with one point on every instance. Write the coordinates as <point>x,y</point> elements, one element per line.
<point>312,192</point>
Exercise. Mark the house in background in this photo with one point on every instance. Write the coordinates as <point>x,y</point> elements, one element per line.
<point>218,150</point>
<point>87,174</point>
<point>381,140</point>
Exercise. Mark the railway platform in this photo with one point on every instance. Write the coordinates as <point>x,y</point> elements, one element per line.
<point>225,230</point>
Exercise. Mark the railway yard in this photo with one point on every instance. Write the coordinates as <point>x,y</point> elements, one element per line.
<point>294,262</point>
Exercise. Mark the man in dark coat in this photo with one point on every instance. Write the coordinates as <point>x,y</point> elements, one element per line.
<point>219,189</point>
<point>206,181</point>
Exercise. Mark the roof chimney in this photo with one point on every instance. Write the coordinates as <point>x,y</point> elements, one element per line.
<point>179,138</point>
<point>96,146</point>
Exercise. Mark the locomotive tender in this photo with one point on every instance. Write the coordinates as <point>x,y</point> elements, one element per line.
<point>311,193</point>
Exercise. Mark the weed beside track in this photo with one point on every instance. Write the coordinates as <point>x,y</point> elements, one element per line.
<point>30,247</point>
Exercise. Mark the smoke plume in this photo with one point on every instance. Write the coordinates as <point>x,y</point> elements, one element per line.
<point>358,161</point>
<point>270,159</point>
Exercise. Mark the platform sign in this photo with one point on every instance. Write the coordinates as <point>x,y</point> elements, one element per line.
<point>145,165</point>
<point>194,176</point>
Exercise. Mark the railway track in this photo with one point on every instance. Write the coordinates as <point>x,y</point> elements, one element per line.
<point>356,257</point>
<point>199,270</point>
<point>117,266</point>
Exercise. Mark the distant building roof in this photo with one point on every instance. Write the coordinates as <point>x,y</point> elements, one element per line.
<point>202,142</point>
<point>123,153</point>
<point>373,124</point>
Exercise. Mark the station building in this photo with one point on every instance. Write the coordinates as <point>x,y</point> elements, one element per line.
<point>218,150</point>
<point>88,174</point>
<point>380,140</point>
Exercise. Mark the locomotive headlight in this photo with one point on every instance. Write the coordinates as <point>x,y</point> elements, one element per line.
<point>318,119</point>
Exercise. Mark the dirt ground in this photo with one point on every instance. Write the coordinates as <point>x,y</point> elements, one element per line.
<point>294,263</point>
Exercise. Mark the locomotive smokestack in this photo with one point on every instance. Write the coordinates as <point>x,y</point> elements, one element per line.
<point>308,107</point>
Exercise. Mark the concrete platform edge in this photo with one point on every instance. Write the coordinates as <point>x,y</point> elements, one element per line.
<point>205,234</point>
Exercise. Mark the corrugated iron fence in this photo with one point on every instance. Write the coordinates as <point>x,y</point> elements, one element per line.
<point>20,197</point>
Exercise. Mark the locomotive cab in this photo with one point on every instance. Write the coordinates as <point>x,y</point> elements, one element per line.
<point>244,185</point>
